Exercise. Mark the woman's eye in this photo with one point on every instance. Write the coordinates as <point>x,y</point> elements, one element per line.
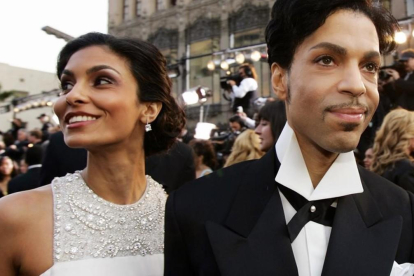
<point>66,87</point>
<point>102,81</point>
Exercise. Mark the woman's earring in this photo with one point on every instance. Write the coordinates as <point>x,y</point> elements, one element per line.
<point>148,126</point>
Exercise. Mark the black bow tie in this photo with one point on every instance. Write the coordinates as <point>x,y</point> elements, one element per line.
<point>319,211</point>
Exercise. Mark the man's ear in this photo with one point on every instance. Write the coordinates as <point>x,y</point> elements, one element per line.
<point>279,81</point>
<point>150,112</point>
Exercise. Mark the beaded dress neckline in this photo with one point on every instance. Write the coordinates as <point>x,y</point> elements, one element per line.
<point>87,226</point>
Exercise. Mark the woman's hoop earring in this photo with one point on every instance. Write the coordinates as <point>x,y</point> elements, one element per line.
<point>148,126</point>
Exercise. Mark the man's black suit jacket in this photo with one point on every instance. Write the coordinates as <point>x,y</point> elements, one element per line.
<point>232,223</point>
<point>172,169</point>
<point>24,182</point>
<point>402,174</point>
<point>59,159</point>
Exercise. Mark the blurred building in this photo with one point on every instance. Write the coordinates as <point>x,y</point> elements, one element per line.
<point>25,82</point>
<point>192,33</point>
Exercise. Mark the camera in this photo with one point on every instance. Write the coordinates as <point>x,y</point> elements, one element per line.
<point>383,75</point>
<point>223,81</point>
<point>397,66</point>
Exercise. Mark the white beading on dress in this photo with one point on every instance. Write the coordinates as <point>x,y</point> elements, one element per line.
<point>95,237</point>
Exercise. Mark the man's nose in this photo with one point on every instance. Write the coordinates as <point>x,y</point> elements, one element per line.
<point>352,82</point>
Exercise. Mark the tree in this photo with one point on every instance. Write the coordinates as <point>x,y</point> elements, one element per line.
<point>4,95</point>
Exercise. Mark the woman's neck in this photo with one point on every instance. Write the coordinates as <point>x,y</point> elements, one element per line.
<point>117,176</point>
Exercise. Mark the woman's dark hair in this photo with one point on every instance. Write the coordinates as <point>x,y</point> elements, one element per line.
<point>275,113</point>
<point>15,168</point>
<point>294,20</point>
<point>204,148</point>
<point>148,67</point>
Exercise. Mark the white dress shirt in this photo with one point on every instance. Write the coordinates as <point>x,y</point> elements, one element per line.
<point>342,178</point>
<point>310,246</point>
<point>246,85</point>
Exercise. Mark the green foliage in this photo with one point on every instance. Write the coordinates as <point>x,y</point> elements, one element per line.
<point>6,94</point>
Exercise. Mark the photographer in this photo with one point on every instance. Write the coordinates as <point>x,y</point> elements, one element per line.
<point>399,87</point>
<point>244,94</point>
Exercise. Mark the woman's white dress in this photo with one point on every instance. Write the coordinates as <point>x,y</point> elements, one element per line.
<point>95,237</point>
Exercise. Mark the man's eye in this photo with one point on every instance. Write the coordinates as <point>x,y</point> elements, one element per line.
<point>372,67</point>
<point>325,60</point>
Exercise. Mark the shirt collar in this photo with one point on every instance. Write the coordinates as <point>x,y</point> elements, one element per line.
<point>34,166</point>
<point>341,179</point>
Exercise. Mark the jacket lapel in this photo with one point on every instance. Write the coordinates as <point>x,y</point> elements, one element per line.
<point>362,242</point>
<point>254,237</point>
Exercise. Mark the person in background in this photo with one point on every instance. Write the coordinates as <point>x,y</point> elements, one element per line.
<point>35,137</point>
<point>2,148</point>
<point>53,165</point>
<point>271,120</point>
<point>17,150</point>
<point>369,157</point>
<point>236,124</point>
<point>178,161</point>
<point>403,86</point>
<point>30,179</point>
<point>392,149</point>
<point>8,170</point>
<point>244,94</point>
<point>246,147</point>
<point>46,124</point>
<point>116,103</point>
<point>204,157</point>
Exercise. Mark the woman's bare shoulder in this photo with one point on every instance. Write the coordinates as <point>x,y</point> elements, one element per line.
<point>26,207</point>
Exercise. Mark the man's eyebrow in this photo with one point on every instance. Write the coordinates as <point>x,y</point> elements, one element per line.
<point>99,68</point>
<point>330,46</point>
<point>372,55</point>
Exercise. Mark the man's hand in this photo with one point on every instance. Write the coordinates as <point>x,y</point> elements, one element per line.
<point>242,115</point>
<point>231,82</point>
<point>395,75</point>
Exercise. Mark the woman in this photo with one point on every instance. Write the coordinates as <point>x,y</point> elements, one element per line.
<point>8,170</point>
<point>246,147</point>
<point>204,157</point>
<point>369,156</point>
<point>108,218</point>
<point>393,146</point>
<point>271,121</point>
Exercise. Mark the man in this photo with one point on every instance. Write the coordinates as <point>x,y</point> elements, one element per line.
<point>236,124</point>
<point>245,93</point>
<point>403,87</point>
<point>35,137</point>
<point>30,179</point>
<point>173,168</point>
<point>305,208</point>
<point>46,124</point>
<point>17,150</point>
<point>60,159</point>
